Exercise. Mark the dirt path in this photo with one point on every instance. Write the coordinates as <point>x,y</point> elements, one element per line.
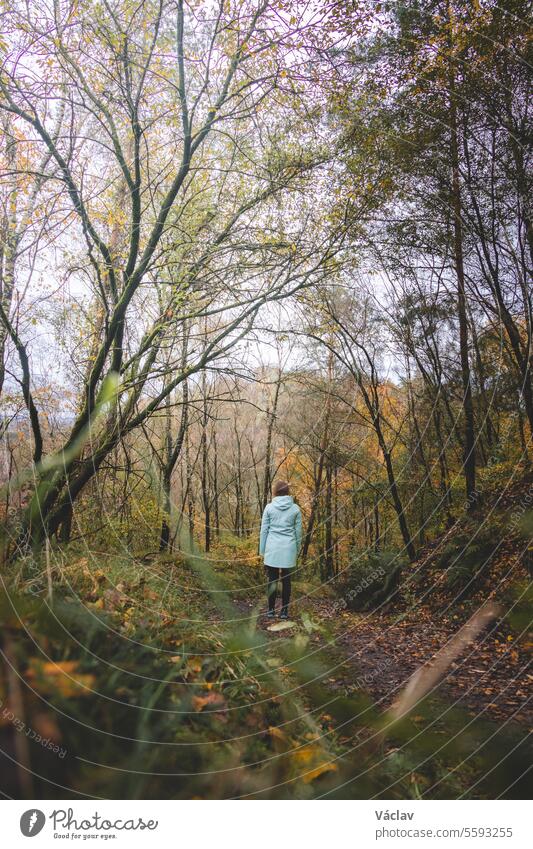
<point>493,679</point>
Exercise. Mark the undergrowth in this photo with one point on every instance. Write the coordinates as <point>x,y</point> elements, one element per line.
<point>155,684</point>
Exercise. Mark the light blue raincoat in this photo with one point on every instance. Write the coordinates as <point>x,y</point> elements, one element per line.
<point>281,533</point>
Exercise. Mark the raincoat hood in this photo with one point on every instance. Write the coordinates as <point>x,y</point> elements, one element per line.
<point>282,502</point>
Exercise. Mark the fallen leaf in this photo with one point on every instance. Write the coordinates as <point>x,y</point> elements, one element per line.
<point>281,626</point>
<point>318,771</point>
<point>62,677</point>
<point>213,701</point>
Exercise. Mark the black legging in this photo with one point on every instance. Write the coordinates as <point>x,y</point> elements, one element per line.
<point>272,587</point>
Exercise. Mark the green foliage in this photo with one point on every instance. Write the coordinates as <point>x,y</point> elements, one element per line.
<point>466,560</point>
<point>371,580</point>
<point>133,663</point>
<point>133,527</point>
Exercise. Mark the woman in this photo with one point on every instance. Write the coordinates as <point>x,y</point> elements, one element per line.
<point>279,544</point>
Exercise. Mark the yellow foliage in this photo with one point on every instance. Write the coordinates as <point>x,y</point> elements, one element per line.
<point>312,756</point>
<point>62,677</point>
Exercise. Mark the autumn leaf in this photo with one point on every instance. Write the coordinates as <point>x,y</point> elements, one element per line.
<point>312,756</point>
<point>318,771</point>
<point>281,626</point>
<point>61,677</point>
<point>211,701</point>
<point>280,741</point>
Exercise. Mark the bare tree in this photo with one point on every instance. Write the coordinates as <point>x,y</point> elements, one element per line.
<point>119,80</point>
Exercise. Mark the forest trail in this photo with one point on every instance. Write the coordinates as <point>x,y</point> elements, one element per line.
<point>378,652</point>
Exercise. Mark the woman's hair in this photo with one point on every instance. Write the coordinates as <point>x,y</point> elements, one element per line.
<point>280,488</point>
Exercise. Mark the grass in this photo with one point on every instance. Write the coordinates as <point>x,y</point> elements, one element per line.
<point>158,686</point>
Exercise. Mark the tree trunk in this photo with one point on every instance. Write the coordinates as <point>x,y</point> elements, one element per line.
<point>173,451</point>
<point>216,507</point>
<point>376,524</point>
<point>271,418</point>
<point>469,455</point>
<point>398,506</point>
<point>328,524</point>
<point>190,493</point>
<point>315,498</point>
<point>164,537</point>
